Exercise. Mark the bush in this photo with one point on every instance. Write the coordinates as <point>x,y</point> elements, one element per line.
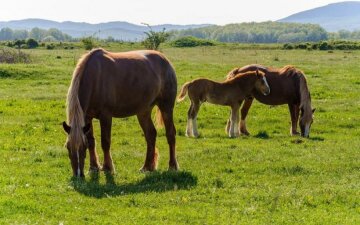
<point>88,42</point>
<point>325,45</point>
<point>8,55</point>
<point>31,43</point>
<point>154,39</point>
<point>288,46</point>
<point>50,46</point>
<point>191,42</point>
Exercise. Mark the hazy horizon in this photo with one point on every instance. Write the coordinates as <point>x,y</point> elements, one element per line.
<point>156,11</point>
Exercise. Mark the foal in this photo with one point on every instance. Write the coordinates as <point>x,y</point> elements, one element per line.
<point>229,93</point>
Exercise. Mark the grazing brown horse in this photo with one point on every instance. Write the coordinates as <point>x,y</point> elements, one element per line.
<point>230,93</point>
<point>288,86</point>
<point>106,85</point>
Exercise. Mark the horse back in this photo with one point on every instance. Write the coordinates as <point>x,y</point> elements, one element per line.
<point>284,84</point>
<point>124,84</point>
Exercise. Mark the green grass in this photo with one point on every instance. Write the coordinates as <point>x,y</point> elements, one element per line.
<point>268,177</point>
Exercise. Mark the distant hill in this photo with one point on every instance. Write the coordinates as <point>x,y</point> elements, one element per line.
<point>332,17</point>
<point>118,30</point>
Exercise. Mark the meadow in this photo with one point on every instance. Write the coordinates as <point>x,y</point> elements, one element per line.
<point>268,177</point>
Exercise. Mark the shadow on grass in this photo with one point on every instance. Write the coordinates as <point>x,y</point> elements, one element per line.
<point>152,182</point>
<point>262,135</point>
<point>316,138</point>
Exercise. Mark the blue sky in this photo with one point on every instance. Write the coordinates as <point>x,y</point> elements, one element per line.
<point>156,11</point>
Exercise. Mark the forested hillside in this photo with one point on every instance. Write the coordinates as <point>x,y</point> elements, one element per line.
<point>51,34</point>
<point>266,32</point>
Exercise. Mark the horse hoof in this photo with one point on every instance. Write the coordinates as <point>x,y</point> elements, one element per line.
<point>95,169</point>
<point>108,169</point>
<point>174,166</point>
<point>145,169</point>
<point>294,133</point>
<point>233,135</point>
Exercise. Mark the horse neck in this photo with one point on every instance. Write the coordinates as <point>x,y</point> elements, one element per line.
<point>75,113</point>
<point>245,82</point>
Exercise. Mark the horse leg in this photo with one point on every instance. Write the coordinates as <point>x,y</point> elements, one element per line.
<point>194,113</point>
<point>244,111</point>
<point>189,121</point>
<point>234,130</point>
<point>150,135</point>
<point>167,115</point>
<point>294,115</point>
<point>94,159</point>
<point>227,127</point>
<point>105,124</point>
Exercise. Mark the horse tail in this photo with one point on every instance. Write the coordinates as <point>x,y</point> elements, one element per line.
<point>74,112</point>
<point>159,120</point>
<point>183,91</point>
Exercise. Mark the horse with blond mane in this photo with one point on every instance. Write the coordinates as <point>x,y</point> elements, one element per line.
<point>229,93</point>
<point>106,85</point>
<point>288,86</point>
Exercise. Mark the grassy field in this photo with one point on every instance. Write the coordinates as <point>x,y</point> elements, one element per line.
<point>266,178</point>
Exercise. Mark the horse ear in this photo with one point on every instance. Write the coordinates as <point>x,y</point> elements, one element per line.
<point>66,127</point>
<point>257,73</point>
<point>87,128</point>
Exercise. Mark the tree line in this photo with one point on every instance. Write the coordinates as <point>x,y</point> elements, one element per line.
<point>265,32</point>
<point>38,34</point>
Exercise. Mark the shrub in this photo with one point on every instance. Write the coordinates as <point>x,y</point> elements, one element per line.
<point>325,46</point>
<point>18,43</point>
<point>88,42</point>
<point>190,41</point>
<point>154,39</point>
<point>50,46</point>
<point>31,43</point>
<point>288,46</point>
<point>8,55</point>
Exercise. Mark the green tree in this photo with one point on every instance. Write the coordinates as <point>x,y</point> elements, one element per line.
<point>37,33</point>
<point>154,39</point>
<point>20,34</point>
<point>31,43</point>
<point>19,43</point>
<point>6,34</point>
<point>88,42</point>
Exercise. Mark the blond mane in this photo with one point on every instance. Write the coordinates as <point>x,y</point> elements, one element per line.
<point>305,98</point>
<point>74,112</point>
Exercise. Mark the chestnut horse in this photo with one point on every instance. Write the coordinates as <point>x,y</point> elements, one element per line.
<point>230,93</point>
<point>288,86</point>
<point>106,85</point>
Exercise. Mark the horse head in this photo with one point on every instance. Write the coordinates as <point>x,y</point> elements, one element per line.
<point>76,144</point>
<point>261,83</point>
<point>306,119</point>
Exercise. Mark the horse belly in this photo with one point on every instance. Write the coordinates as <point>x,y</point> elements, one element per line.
<point>272,99</point>
<point>133,102</point>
